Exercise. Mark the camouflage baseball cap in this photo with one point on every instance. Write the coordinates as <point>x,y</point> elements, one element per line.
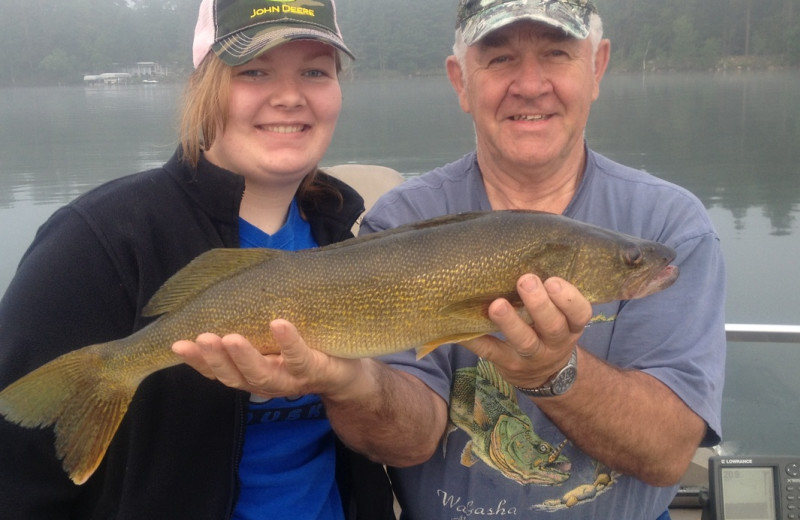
<point>477,18</point>
<point>240,30</point>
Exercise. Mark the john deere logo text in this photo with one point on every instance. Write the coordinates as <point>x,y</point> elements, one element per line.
<point>283,8</point>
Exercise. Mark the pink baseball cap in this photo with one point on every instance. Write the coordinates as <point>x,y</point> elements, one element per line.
<point>240,30</point>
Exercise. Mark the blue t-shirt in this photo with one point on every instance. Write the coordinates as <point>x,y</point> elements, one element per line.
<point>677,336</point>
<point>289,459</point>
<point>293,236</point>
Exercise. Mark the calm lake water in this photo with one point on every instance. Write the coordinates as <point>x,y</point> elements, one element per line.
<point>732,139</point>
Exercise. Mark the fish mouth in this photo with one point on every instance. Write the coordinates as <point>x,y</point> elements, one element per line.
<point>561,467</point>
<point>639,288</point>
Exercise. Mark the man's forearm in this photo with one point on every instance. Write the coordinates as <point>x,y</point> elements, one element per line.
<point>628,420</point>
<point>390,416</point>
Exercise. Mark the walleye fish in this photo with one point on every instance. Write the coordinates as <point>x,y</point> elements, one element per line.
<point>485,406</point>
<point>416,286</point>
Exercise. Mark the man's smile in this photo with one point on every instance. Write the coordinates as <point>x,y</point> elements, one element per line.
<point>525,117</point>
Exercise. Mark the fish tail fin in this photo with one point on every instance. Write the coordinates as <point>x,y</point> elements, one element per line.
<point>74,393</point>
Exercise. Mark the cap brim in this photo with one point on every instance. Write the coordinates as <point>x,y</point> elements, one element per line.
<point>556,14</point>
<point>243,46</point>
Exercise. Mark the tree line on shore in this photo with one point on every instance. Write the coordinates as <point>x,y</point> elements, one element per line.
<point>59,42</point>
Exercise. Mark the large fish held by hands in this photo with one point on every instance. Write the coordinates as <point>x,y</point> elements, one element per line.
<point>416,286</point>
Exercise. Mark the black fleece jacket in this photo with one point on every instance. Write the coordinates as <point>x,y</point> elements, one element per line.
<point>85,279</point>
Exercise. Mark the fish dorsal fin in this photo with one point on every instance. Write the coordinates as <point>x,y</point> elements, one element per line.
<point>478,306</point>
<point>201,273</point>
<point>488,371</point>
<point>405,228</point>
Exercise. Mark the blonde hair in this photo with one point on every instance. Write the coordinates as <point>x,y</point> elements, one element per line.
<point>205,107</point>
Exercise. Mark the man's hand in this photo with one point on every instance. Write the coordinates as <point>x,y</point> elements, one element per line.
<point>532,353</point>
<point>635,425</point>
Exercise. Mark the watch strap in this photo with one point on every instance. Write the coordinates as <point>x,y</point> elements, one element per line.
<point>559,383</point>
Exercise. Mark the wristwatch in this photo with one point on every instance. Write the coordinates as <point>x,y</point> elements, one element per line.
<point>559,383</point>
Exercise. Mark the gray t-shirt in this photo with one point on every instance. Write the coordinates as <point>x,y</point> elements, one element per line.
<point>515,463</point>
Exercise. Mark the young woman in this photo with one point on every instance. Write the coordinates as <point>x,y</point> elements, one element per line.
<point>258,115</point>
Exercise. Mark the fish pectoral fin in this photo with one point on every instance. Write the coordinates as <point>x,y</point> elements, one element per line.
<point>429,347</point>
<point>201,273</point>
<point>552,258</point>
<point>468,459</point>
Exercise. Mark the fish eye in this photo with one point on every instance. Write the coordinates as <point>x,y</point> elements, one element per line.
<point>543,448</point>
<point>632,255</point>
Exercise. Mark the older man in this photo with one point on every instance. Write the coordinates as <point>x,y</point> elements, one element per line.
<point>611,402</point>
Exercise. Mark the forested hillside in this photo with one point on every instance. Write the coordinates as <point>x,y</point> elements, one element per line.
<point>702,33</point>
<point>50,42</point>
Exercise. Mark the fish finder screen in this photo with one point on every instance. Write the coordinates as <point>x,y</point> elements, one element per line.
<point>749,493</point>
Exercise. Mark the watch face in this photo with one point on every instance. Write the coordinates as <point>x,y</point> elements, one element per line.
<point>564,380</point>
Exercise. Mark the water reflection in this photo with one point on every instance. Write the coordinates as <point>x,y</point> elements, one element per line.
<point>411,125</point>
<point>732,139</point>
<point>59,142</point>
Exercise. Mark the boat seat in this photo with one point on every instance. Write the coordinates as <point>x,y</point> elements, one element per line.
<point>369,180</point>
